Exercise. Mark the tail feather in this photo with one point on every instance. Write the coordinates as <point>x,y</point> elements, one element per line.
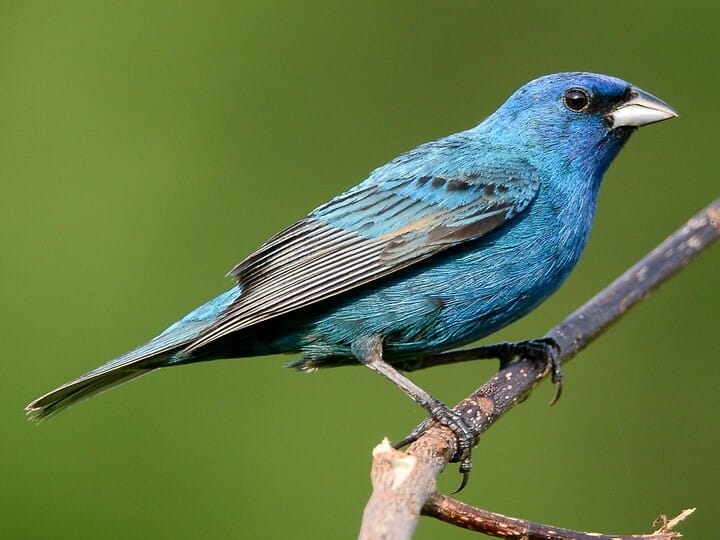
<point>79,389</point>
<point>123,368</point>
<point>158,352</point>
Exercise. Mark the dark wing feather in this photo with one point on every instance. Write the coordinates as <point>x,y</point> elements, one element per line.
<point>369,232</point>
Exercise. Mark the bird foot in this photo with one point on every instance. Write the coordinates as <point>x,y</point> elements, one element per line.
<point>465,435</point>
<point>543,350</point>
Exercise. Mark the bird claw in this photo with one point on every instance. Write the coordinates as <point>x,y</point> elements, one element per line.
<point>548,352</point>
<point>465,467</point>
<point>416,433</point>
<point>464,434</point>
<point>544,350</point>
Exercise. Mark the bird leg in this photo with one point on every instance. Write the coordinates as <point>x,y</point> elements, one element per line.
<point>544,350</point>
<point>369,352</point>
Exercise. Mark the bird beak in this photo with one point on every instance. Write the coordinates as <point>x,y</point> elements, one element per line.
<point>640,110</point>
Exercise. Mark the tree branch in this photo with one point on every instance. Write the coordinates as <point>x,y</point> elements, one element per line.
<point>474,519</point>
<point>404,482</point>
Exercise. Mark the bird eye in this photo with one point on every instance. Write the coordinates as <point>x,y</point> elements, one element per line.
<point>576,99</point>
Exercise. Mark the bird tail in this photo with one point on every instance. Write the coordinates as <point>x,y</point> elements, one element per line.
<point>77,390</point>
<point>160,351</point>
<point>125,368</point>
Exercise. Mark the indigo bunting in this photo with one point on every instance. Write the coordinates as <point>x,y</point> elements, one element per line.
<point>441,246</point>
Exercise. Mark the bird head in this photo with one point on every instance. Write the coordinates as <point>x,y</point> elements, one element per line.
<point>576,118</point>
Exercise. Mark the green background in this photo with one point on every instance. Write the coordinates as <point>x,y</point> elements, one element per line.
<point>146,147</point>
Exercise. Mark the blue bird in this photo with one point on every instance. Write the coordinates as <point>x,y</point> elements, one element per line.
<point>443,245</point>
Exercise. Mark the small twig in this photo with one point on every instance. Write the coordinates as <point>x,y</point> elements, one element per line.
<point>513,384</point>
<point>670,524</point>
<point>474,519</point>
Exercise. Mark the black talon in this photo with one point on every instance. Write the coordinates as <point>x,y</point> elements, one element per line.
<point>454,421</point>
<point>465,468</point>
<point>464,434</point>
<point>544,350</point>
<point>416,433</point>
<point>547,350</point>
<point>556,373</point>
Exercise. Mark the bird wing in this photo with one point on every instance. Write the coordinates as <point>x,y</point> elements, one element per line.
<point>368,232</point>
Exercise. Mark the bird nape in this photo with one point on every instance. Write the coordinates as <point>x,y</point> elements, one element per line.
<point>441,246</point>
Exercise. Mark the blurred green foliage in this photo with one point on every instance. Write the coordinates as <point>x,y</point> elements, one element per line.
<point>146,147</point>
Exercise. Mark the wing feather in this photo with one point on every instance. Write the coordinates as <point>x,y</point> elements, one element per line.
<point>368,232</point>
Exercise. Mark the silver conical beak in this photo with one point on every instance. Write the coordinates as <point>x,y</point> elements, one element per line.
<point>640,110</point>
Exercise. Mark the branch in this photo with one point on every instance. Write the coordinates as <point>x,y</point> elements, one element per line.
<point>404,482</point>
<point>474,519</point>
